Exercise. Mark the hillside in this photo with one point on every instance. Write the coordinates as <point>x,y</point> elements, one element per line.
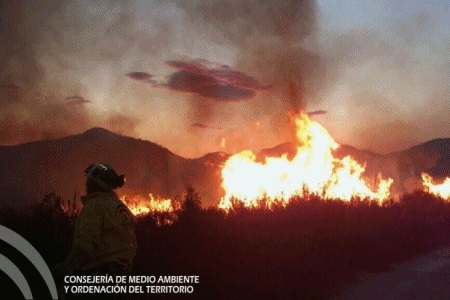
<point>30,171</point>
<point>34,169</point>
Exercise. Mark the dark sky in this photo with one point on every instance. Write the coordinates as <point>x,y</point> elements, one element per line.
<point>380,69</point>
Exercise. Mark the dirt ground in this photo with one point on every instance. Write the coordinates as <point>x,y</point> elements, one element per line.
<point>425,277</point>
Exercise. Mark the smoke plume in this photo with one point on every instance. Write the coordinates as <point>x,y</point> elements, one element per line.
<point>42,93</point>
<point>391,75</point>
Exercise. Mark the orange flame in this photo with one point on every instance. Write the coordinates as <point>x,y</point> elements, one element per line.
<point>154,204</point>
<point>223,143</point>
<point>313,169</point>
<point>441,190</point>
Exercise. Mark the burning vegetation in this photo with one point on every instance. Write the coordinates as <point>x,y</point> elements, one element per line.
<point>153,204</point>
<point>163,210</point>
<point>441,190</point>
<point>313,170</point>
<point>306,249</point>
<point>312,173</point>
<point>274,225</point>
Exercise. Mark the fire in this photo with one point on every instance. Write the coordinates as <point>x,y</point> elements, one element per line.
<point>223,143</point>
<point>313,169</point>
<point>153,204</point>
<point>442,190</point>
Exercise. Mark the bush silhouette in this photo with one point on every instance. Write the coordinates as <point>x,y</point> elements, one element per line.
<point>305,249</point>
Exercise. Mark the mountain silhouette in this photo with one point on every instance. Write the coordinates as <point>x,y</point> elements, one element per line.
<point>32,170</point>
<point>405,167</point>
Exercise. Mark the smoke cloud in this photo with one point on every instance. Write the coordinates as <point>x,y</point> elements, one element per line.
<point>393,95</point>
<point>271,38</point>
<point>281,57</point>
<point>205,126</point>
<point>42,93</point>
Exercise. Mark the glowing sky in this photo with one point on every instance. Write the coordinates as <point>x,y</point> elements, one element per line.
<point>381,70</point>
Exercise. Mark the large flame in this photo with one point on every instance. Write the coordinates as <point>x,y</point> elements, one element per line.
<point>153,204</point>
<point>442,190</point>
<point>313,169</point>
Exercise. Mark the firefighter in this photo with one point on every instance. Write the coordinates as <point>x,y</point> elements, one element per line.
<point>104,233</point>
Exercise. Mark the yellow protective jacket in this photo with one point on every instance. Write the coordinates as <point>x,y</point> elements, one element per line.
<point>104,234</point>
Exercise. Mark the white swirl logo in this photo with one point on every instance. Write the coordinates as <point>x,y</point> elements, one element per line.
<point>11,270</point>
